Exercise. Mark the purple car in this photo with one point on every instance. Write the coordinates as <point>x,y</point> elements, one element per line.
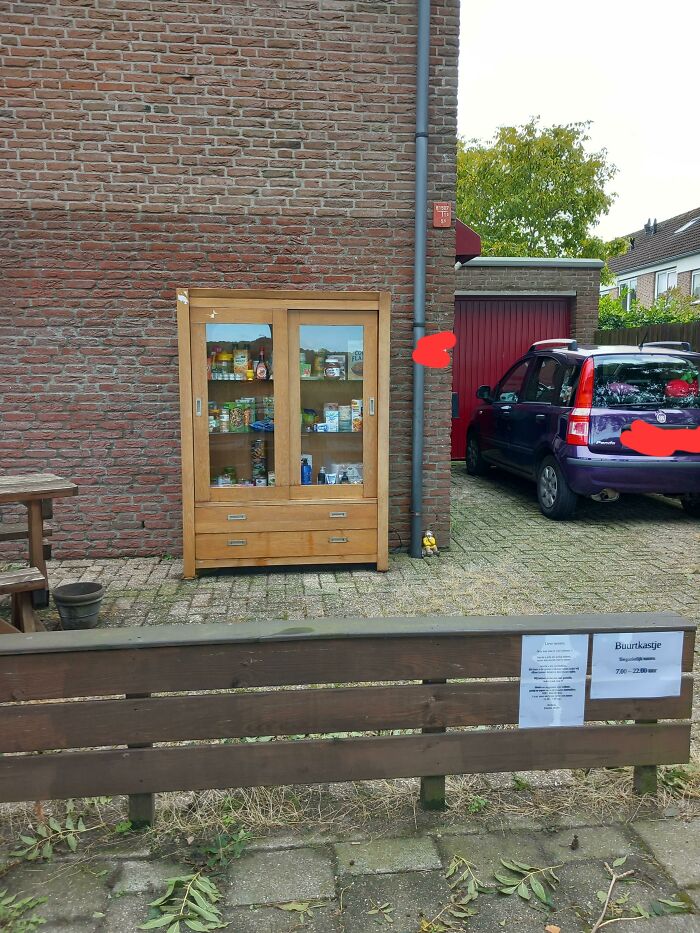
<point>559,414</point>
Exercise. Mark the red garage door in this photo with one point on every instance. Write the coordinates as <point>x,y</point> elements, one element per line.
<point>491,334</point>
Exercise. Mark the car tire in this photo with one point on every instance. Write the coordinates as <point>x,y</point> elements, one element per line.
<point>556,499</point>
<point>691,504</point>
<point>476,465</point>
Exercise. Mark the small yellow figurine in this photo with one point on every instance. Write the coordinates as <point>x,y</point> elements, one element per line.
<point>430,547</point>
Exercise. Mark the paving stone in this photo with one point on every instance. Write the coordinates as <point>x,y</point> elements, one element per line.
<point>146,877</point>
<point>601,842</point>
<point>486,851</point>
<point>124,914</point>
<point>385,856</point>
<point>323,919</point>
<point>413,895</point>
<point>280,877</point>
<point>73,892</point>
<point>676,846</point>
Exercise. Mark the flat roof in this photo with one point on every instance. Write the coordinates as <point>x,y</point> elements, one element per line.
<point>535,262</point>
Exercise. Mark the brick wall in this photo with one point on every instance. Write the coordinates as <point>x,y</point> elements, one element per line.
<point>646,287</point>
<point>153,143</point>
<point>577,277</point>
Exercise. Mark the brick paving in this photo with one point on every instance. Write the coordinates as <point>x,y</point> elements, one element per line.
<point>641,553</point>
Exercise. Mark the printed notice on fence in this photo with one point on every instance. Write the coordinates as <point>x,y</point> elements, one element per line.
<point>640,664</point>
<point>553,680</point>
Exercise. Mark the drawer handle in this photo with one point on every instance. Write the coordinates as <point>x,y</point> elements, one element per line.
<point>236,518</point>
<point>337,514</point>
<point>338,540</point>
<point>237,542</point>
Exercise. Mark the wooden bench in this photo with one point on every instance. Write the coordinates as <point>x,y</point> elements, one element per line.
<point>452,672</point>
<point>20,584</point>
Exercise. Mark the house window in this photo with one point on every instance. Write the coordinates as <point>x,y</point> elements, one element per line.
<point>695,284</point>
<point>628,293</point>
<point>665,280</point>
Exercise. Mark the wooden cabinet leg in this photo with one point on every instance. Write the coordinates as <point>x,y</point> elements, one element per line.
<point>35,528</point>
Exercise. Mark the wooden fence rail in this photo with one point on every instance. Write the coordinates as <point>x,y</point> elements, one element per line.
<point>103,728</point>
<point>633,336</point>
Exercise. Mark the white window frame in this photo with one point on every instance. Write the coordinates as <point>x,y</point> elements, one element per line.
<point>695,284</point>
<point>666,274</point>
<point>627,297</point>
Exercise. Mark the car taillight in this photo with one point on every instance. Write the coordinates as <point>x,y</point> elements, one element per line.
<point>580,417</point>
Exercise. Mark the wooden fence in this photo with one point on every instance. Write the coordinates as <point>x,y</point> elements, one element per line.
<point>633,336</point>
<point>87,701</point>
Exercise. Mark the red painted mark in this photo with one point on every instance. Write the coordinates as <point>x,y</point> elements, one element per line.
<point>660,442</point>
<point>432,351</point>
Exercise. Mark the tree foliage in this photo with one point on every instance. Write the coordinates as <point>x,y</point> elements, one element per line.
<point>536,191</point>
<point>673,307</point>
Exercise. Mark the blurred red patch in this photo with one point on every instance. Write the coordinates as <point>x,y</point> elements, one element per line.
<point>660,442</point>
<point>432,351</point>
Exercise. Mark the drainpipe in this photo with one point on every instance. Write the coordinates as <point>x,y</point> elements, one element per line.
<point>422,88</point>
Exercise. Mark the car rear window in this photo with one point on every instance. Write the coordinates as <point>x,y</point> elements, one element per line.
<point>646,381</point>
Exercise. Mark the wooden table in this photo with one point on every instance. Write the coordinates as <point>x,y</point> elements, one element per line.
<point>32,490</point>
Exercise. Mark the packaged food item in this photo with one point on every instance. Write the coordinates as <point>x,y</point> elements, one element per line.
<point>268,408</point>
<point>240,364</point>
<point>304,366</point>
<point>258,459</point>
<point>262,370</point>
<point>225,419</point>
<point>308,417</point>
<point>261,481</point>
<point>331,416</point>
<point>236,424</point>
<point>356,407</point>
<point>321,427</point>
<point>224,362</point>
<point>335,366</point>
<point>345,417</point>
<point>318,365</point>
<point>356,355</point>
<point>271,481</point>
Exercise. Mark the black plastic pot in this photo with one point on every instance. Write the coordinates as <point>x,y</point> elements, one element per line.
<point>78,604</point>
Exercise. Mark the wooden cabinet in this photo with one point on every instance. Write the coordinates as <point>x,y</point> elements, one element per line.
<point>284,401</point>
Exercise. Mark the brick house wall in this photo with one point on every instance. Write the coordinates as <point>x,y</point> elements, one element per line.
<point>580,278</point>
<point>148,144</point>
<point>646,286</point>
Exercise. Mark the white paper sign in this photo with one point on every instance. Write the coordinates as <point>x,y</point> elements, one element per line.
<point>553,680</point>
<point>636,664</point>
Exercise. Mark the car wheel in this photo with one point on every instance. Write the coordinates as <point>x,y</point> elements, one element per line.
<point>691,504</point>
<point>556,499</point>
<point>476,465</point>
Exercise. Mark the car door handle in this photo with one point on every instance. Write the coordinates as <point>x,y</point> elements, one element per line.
<point>540,417</point>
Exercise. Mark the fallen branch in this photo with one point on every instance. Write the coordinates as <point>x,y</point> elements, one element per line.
<point>614,878</point>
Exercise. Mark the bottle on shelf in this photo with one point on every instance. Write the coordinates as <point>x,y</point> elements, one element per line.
<point>321,477</point>
<point>305,472</point>
<point>262,370</point>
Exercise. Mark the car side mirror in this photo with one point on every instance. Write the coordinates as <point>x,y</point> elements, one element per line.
<point>484,392</point>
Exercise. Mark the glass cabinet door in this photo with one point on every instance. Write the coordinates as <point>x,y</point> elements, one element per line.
<point>333,428</point>
<point>235,373</point>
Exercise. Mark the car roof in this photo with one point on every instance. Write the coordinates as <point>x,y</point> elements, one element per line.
<point>613,349</point>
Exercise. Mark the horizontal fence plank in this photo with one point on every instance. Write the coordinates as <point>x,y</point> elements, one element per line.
<point>158,636</point>
<point>152,770</point>
<point>274,663</point>
<point>91,723</point>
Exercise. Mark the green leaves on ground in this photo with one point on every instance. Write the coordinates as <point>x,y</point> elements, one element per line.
<point>189,903</point>
<point>381,912</point>
<point>16,916</point>
<point>527,880</point>
<point>41,844</point>
<point>223,849</point>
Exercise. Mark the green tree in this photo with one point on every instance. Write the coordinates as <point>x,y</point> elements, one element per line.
<point>536,191</point>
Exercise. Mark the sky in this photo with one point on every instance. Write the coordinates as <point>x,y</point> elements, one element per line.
<point>631,67</point>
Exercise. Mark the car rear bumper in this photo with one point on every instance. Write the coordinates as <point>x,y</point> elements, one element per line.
<point>588,474</point>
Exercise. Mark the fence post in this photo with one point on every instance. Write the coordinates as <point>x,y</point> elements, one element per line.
<point>142,809</point>
<point>432,789</point>
<point>645,779</point>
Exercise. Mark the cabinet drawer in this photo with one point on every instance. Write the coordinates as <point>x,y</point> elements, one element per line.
<point>233,519</point>
<point>239,544</point>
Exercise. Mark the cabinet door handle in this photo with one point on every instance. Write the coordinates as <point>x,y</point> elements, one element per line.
<point>198,407</point>
<point>237,542</point>
<point>235,518</point>
<point>371,406</point>
<point>337,514</point>
<point>334,540</point>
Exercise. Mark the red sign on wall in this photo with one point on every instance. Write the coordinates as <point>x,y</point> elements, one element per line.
<point>442,214</point>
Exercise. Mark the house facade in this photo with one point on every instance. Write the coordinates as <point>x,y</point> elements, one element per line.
<point>159,144</point>
<point>662,255</point>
